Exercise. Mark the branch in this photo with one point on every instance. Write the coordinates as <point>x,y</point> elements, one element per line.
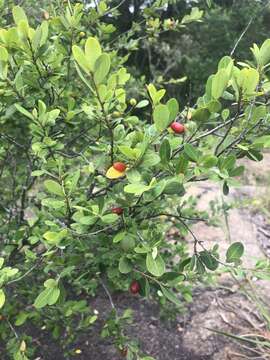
<point>108,294</point>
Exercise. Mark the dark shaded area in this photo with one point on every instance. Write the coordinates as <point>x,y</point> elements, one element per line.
<point>195,50</point>
<point>156,337</point>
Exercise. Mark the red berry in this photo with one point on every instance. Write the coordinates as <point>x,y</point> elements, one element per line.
<point>119,166</point>
<point>117,210</point>
<point>134,287</point>
<point>177,127</point>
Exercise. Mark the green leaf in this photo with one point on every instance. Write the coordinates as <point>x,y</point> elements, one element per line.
<point>229,162</point>
<point>219,83</point>
<point>172,278</point>
<point>191,152</point>
<point>225,114</point>
<point>225,188</point>
<point>109,218</point>
<point>24,111</point>
<point>152,92</point>
<point>74,181</point>
<point>50,283</point>
<point>53,203</point>
<point>165,151</point>
<point>81,59</point>
<point>53,237</point>
<point>3,54</point>
<point>87,220</point>
<point>264,54</point>
<point>142,104</point>
<point>92,52</point>
<point>226,63</point>
<point>21,318</point>
<point>44,32</point>
<point>136,189</point>
<point>150,158</point>
<point>234,252</point>
<point>237,171</point>
<point>201,115</point>
<point>200,268</point>
<point>49,296</point>
<point>155,266</point>
<point>2,298</point>
<point>214,106</point>
<point>36,38</point>
<point>195,15</point>
<point>119,236</point>
<point>102,68</point>
<point>170,296</point>
<point>3,70</point>
<point>128,243</point>
<point>181,164</point>
<point>23,29</point>
<point>263,141</point>
<point>86,82</point>
<point>53,187</point>
<point>37,172</point>
<point>125,265</point>
<point>250,80</point>
<point>209,261</point>
<point>129,152</point>
<point>161,117</point>
<point>52,116</point>
<point>208,161</point>
<point>18,15</point>
<point>174,187</point>
<point>173,107</point>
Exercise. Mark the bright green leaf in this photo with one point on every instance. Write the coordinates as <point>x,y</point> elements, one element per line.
<point>2,298</point>
<point>53,187</point>
<point>102,68</point>
<point>92,52</point>
<point>155,266</point>
<point>161,117</point>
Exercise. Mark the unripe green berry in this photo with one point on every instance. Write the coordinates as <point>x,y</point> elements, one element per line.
<point>133,102</point>
<point>116,114</point>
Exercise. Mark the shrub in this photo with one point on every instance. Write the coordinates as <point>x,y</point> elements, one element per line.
<point>92,179</point>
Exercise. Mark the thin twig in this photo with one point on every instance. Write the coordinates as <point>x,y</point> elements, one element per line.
<point>23,276</point>
<point>12,328</point>
<point>108,293</point>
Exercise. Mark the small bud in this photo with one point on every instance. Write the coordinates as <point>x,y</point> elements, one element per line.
<point>116,114</point>
<point>133,102</point>
<point>46,15</point>
<point>23,346</point>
